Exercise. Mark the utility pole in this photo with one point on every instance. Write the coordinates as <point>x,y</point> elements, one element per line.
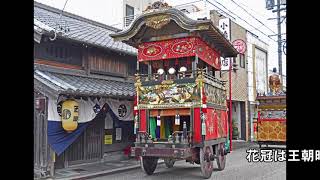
<point>270,5</point>
<point>279,41</point>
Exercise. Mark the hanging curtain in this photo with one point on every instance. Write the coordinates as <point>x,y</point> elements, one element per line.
<point>153,127</point>
<point>89,111</point>
<point>123,109</point>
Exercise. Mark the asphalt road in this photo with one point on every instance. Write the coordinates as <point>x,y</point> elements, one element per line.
<point>237,168</point>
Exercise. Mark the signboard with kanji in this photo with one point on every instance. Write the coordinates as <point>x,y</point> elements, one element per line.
<point>224,27</point>
<point>225,64</point>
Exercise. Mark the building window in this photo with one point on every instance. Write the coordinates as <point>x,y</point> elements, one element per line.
<point>59,52</point>
<point>242,60</point>
<point>129,15</point>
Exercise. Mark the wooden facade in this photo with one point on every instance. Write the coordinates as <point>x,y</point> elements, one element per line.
<point>89,147</point>
<point>69,55</point>
<point>60,52</point>
<point>110,63</point>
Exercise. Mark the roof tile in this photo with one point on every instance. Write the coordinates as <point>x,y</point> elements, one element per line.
<point>80,29</point>
<point>84,85</point>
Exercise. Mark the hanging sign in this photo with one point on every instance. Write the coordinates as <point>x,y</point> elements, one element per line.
<point>240,46</point>
<point>224,27</point>
<point>225,64</point>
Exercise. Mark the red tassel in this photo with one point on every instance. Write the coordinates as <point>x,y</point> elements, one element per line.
<point>177,62</point>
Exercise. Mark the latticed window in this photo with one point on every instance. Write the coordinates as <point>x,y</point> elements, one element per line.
<point>59,52</point>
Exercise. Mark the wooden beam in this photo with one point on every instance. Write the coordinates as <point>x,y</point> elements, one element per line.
<point>170,112</point>
<point>56,64</point>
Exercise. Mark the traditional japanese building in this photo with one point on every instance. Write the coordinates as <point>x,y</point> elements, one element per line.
<point>83,91</point>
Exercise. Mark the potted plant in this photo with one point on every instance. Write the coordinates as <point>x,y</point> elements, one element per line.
<point>235,130</point>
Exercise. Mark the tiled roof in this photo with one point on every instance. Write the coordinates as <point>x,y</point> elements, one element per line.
<point>81,85</point>
<point>80,29</point>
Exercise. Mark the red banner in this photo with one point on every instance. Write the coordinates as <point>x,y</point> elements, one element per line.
<point>176,48</point>
<point>216,124</point>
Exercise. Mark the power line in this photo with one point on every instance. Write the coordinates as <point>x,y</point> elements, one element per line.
<point>252,16</point>
<point>262,15</point>
<point>61,14</point>
<point>187,3</point>
<point>221,10</point>
<point>220,5</point>
<point>242,19</point>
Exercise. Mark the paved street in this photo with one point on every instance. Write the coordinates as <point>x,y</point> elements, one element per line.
<point>237,168</point>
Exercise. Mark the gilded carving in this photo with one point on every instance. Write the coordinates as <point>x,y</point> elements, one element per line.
<point>157,6</point>
<point>157,22</point>
<point>169,93</point>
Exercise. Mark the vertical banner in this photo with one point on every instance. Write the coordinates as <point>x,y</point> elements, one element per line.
<point>224,27</point>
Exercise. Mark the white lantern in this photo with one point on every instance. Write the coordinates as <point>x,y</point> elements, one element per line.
<point>183,69</point>
<point>160,71</point>
<point>172,70</point>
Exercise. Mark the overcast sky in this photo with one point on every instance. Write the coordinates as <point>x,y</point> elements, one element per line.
<point>254,7</point>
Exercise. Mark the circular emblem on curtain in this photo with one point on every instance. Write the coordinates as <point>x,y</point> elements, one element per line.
<point>66,114</point>
<point>122,110</point>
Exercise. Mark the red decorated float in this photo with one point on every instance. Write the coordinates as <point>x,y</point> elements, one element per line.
<point>271,124</point>
<point>180,107</point>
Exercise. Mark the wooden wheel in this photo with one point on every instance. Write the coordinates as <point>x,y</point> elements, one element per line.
<point>205,162</point>
<point>148,164</point>
<point>221,157</point>
<point>169,162</point>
